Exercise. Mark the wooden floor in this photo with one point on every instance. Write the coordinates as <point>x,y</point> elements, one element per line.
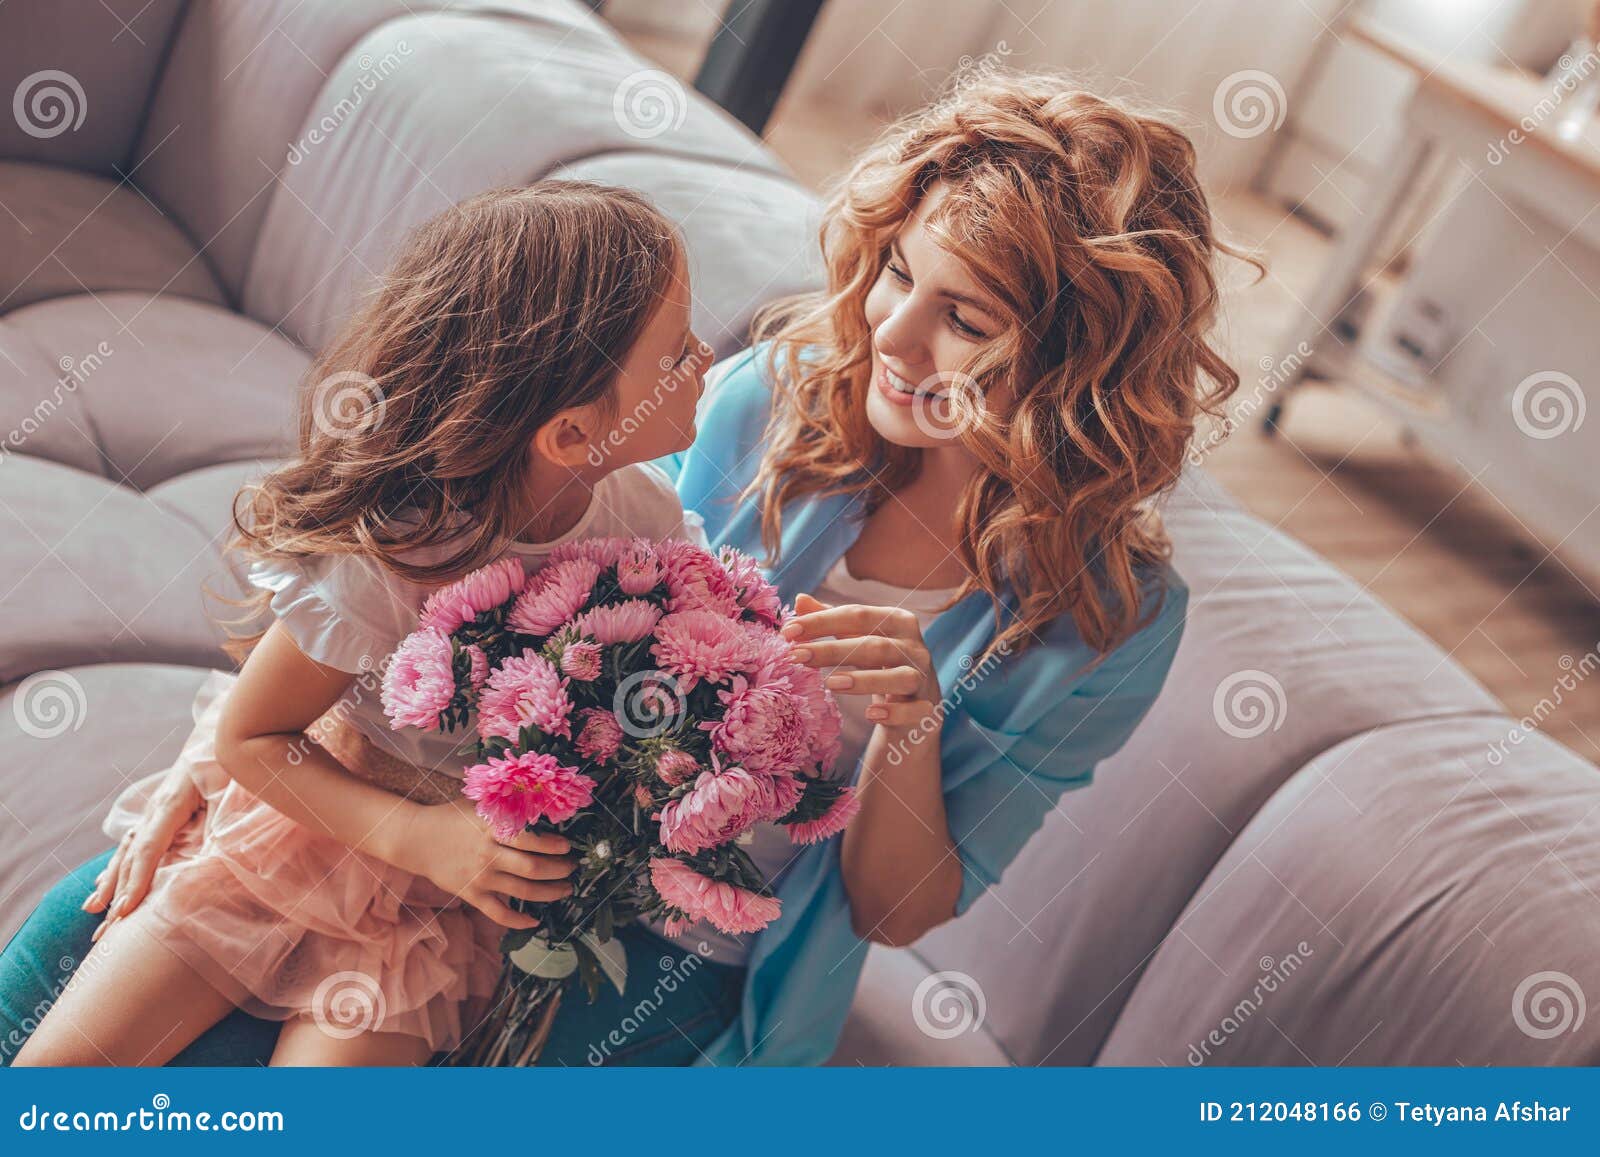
<point>1340,476</point>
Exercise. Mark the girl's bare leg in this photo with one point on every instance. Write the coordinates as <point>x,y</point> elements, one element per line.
<point>131,1002</point>
<point>304,1043</point>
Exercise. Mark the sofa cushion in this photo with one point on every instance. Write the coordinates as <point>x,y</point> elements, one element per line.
<point>98,573</point>
<point>204,498</point>
<point>1271,626</point>
<point>110,53</point>
<point>70,740</point>
<point>176,384</point>
<point>541,95</point>
<point>1423,894</point>
<point>66,232</point>
<point>906,1014</point>
<point>41,406</point>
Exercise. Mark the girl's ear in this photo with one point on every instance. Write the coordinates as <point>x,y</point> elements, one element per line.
<point>567,438</point>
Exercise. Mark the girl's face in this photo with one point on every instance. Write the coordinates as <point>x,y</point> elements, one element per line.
<point>928,317</point>
<point>658,385</point>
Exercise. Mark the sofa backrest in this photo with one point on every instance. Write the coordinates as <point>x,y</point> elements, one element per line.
<point>295,143</point>
<point>60,63</point>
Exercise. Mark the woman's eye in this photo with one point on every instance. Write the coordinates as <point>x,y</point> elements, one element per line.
<point>899,274</point>
<point>964,329</point>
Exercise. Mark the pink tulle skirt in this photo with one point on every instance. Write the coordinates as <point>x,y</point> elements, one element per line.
<point>286,922</point>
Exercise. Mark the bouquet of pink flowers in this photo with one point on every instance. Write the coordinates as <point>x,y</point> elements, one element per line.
<point>636,698</point>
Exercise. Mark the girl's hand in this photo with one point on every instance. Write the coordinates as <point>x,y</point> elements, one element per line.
<point>125,882</point>
<point>449,844</point>
<point>880,652</point>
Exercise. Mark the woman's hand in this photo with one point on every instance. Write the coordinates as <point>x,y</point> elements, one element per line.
<point>880,652</point>
<point>449,844</point>
<point>126,880</point>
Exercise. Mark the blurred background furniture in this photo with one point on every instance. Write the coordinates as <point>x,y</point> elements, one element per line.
<point>1530,183</point>
<point>1327,844</point>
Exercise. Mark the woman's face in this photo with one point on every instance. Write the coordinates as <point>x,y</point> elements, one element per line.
<point>928,318</point>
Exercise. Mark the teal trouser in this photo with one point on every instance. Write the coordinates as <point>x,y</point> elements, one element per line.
<point>674,1004</point>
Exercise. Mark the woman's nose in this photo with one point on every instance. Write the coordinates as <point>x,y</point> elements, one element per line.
<point>897,337</point>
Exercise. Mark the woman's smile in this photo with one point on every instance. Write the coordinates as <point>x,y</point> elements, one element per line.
<point>900,390</point>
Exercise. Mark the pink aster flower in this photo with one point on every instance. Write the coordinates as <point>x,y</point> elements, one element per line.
<point>480,666</point>
<point>600,551</point>
<point>763,728</point>
<point>553,596</point>
<point>638,572</point>
<point>465,599</point>
<point>676,766</point>
<point>599,735</point>
<point>830,823</point>
<point>696,581</point>
<point>775,668</point>
<point>582,661</point>
<point>525,789</point>
<point>625,622</point>
<point>729,908</point>
<point>755,593</point>
<point>420,681</point>
<point>642,797</point>
<point>717,808</point>
<point>695,645</point>
<point>524,689</point>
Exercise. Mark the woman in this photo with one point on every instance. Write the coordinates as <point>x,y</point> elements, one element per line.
<point>949,460</point>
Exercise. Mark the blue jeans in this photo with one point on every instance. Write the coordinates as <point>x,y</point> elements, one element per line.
<point>673,1005</point>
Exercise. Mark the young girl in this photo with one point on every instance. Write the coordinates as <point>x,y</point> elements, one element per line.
<point>486,401</point>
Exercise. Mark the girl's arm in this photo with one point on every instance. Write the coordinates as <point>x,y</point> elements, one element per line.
<point>901,870</point>
<point>261,742</point>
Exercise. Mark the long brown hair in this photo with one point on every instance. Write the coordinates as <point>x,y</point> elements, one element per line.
<point>496,315</point>
<point>1085,220</point>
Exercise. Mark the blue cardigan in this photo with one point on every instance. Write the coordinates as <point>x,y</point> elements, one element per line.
<point>1020,730</point>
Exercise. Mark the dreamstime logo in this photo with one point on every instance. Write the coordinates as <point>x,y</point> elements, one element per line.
<point>951,405</point>
<point>347,403</point>
<point>648,704</point>
<point>648,103</point>
<point>49,703</point>
<point>947,1004</point>
<point>348,1004</point>
<point>1248,103</point>
<point>1274,373</point>
<point>49,103</point>
<point>1274,973</point>
<point>928,726</point>
<point>1573,74</point>
<point>1548,404</point>
<point>1249,703</point>
<point>74,372</point>
<point>371,73</point>
<point>1548,1004</point>
<point>674,972</point>
<point>1574,672</point>
<point>675,375</point>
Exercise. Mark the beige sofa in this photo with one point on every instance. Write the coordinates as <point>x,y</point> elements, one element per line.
<point>1365,870</point>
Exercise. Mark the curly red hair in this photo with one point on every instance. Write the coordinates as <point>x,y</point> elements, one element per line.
<point>1085,220</point>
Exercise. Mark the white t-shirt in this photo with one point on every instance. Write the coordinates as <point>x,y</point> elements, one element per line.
<point>770,848</point>
<point>350,612</point>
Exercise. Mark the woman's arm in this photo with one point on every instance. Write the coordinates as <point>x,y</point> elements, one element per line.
<point>900,866</point>
<point>261,742</point>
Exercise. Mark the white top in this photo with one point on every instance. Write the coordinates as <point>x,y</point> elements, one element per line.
<point>350,612</point>
<point>769,847</point>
